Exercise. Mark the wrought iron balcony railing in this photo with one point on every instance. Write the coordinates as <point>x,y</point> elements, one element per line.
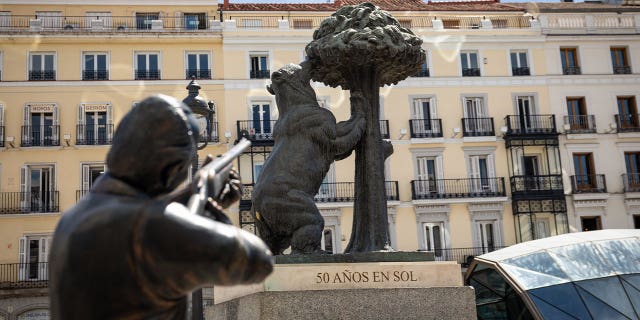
<point>40,136</point>
<point>384,129</point>
<point>260,74</point>
<point>94,134</point>
<point>520,71</point>
<point>24,275</point>
<point>147,75</point>
<point>631,182</point>
<point>621,69</point>
<point>463,256</point>
<point>470,72</point>
<point>80,194</point>
<point>28,202</point>
<point>592,183</point>
<point>425,128</point>
<point>457,188</point>
<point>538,184</point>
<point>530,124</point>
<point>477,127</point>
<point>256,130</point>
<point>92,75</point>
<point>138,23</point>
<point>580,124</point>
<point>571,70</point>
<point>344,192</point>
<point>198,73</point>
<point>42,75</point>
<point>629,122</point>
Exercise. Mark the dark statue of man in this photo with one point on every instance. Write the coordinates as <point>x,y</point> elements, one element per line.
<point>307,140</point>
<point>131,249</point>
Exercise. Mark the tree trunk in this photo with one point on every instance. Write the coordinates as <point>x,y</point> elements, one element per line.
<point>370,230</point>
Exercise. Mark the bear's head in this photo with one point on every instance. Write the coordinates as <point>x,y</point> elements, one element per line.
<point>291,86</point>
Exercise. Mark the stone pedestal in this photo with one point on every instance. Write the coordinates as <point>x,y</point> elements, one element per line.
<point>406,289</point>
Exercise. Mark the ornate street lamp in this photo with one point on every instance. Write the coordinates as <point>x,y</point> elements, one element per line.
<point>202,110</point>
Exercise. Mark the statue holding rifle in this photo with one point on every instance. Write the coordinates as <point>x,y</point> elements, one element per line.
<point>139,242</point>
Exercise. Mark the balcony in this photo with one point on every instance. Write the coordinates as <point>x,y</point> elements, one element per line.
<point>520,71</point>
<point>425,128</point>
<point>530,125</point>
<point>470,72</point>
<point>344,192</point>
<point>622,70</point>
<point>139,23</point>
<point>40,136</point>
<point>147,75</point>
<point>212,136</point>
<point>94,134</point>
<point>628,122</point>
<point>477,127</point>
<point>592,183</point>
<point>42,75</point>
<point>631,182</point>
<point>260,131</point>
<point>580,124</point>
<point>457,188</point>
<point>198,73</point>
<point>596,23</point>
<point>571,70</point>
<point>422,73</point>
<point>384,129</point>
<point>24,275</point>
<point>538,185</point>
<point>463,256</point>
<point>28,202</point>
<point>260,74</point>
<point>94,75</point>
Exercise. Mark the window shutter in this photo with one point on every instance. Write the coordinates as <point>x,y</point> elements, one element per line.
<point>1,115</point>
<point>109,113</point>
<point>432,108</point>
<point>42,258</point>
<point>26,120</point>
<point>81,129</point>
<point>85,178</point>
<point>24,188</point>
<point>56,128</point>
<point>22,258</point>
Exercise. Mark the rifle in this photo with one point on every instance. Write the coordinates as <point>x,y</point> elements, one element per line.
<point>219,165</point>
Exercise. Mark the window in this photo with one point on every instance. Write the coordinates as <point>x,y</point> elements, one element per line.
<point>198,65</point>
<point>426,173</point>
<point>95,124</point>
<point>620,60</point>
<point>0,56</point>
<point>147,66</point>
<point>476,121</point>
<point>627,113</point>
<point>327,243</point>
<point>469,63</point>
<point>40,125</point>
<point>1,125</point>
<point>144,19</point>
<point>584,171</point>
<point>434,238</point>
<point>195,21</point>
<point>569,61</point>
<point>105,17</point>
<point>591,223</point>
<point>50,19</point>
<point>525,110</point>
<point>259,66</point>
<point>42,66</point>
<point>424,68</point>
<point>90,173</point>
<point>37,189</point>
<point>519,64</point>
<point>424,122</point>
<point>95,66</point>
<point>261,123</point>
<point>541,226</point>
<point>577,114</point>
<point>33,256</point>
<point>636,221</point>
<point>481,172</point>
<point>486,235</point>
<point>632,163</point>
<point>257,169</point>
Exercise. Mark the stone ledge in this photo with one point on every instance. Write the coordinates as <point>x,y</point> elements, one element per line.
<point>380,256</point>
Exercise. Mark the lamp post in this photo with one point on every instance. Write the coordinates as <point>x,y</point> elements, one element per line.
<point>203,112</point>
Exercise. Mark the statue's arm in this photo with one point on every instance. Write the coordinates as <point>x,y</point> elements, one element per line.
<point>191,250</point>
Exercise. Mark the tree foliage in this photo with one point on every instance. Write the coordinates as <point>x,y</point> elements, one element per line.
<point>363,36</point>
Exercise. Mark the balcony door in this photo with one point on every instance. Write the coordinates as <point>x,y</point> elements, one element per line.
<point>481,171</point>
<point>525,111</point>
<point>423,113</point>
<point>91,173</point>
<point>41,128</point>
<point>577,112</point>
<point>37,187</point>
<point>584,171</point>
<point>327,242</point>
<point>476,115</point>
<point>486,236</point>
<point>531,167</point>
<point>261,120</point>
<point>632,162</point>
<point>627,112</point>
<point>434,238</point>
<point>426,174</point>
<point>33,256</point>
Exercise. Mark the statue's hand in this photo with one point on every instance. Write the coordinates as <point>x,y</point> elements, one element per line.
<point>223,188</point>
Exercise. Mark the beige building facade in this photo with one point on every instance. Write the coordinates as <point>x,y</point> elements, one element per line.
<point>522,123</point>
